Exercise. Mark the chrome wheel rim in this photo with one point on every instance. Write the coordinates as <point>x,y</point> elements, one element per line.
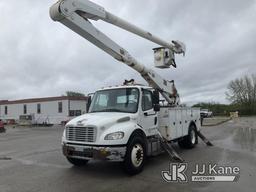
<point>137,155</point>
<point>193,136</point>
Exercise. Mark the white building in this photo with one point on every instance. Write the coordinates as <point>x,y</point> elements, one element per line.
<point>52,110</point>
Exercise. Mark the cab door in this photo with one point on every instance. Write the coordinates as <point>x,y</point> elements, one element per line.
<point>148,117</point>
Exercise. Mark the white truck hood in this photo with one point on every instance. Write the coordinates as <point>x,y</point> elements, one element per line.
<point>98,119</point>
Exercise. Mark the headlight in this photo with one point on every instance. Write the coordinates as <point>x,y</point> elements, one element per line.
<point>64,133</point>
<point>114,136</point>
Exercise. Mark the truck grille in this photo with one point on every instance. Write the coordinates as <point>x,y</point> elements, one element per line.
<point>81,134</point>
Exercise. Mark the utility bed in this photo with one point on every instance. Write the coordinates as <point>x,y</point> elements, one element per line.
<point>174,122</point>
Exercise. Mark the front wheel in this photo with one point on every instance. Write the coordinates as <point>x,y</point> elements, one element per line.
<point>189,141</point>
<point>77,162</point>
<point>135,155</point>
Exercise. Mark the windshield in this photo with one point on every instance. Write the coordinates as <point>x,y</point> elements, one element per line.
<point>115,100</point>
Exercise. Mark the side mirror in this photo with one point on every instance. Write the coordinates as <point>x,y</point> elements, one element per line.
<point>155,97</point>
<point>89,101</point>
<point>156,107</point>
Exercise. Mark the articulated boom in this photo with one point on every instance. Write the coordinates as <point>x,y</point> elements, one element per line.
<point>75,14</point>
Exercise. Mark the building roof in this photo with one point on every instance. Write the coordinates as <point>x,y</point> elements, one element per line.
<point>45,99</point>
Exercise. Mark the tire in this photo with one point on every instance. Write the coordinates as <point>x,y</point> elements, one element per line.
<point>77,162</point>
<point>189,141</point>
<point>135,155</point>
<point>2,130</point>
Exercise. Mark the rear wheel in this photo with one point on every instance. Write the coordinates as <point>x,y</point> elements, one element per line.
<point>77,162</point>
<point>189,141</point>
<point>135,155</point>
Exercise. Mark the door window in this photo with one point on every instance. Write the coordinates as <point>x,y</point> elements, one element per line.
<point>147,103</point>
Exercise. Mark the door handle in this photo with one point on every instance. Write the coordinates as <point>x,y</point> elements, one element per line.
<point>149,114</point>
<point>155,120</point>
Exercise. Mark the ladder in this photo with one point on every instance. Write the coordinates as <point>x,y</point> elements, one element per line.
<point>169,149</point>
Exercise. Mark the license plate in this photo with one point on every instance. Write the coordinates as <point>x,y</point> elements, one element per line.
<point>80,149</point>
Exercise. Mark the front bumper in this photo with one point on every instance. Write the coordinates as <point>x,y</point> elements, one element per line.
<point>109,153</point>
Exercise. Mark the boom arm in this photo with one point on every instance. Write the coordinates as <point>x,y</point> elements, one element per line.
<point>75,14</point>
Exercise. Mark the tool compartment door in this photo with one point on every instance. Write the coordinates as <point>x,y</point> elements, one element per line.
<point>167,123</point>
<point>172,131</point>
<point>185,121</point>
<point>178,122</point>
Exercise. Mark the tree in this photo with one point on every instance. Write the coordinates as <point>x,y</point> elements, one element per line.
<point>74,94</point>
<point>242,92</point>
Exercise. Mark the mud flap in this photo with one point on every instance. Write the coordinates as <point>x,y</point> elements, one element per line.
<point>169,149</point>
<point>206,141</point>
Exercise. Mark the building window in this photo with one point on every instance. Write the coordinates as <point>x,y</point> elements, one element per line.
<point>75,113</point>
<point>60,107</point>
<point>71,113</point>
<point>38,108</point>
<point>25,109</point>
<point>6,110</point>
<point>78,112</point>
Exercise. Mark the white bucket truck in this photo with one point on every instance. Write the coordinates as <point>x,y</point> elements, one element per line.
<point>128,122</point>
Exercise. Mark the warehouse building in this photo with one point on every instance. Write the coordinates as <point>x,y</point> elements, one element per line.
<point>49,110</point>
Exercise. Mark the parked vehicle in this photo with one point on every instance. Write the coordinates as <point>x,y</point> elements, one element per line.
<point>26,120</point>
<point>2,128</point>
<point>206,113</point>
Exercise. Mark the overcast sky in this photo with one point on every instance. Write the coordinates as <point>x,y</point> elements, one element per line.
<point>39,57</point>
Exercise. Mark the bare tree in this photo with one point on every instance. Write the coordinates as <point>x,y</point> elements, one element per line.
<point>243,91</point>
<point>254,87</point>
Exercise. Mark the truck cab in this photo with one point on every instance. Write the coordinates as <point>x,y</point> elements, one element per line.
<point>122,124</point>
<point>115,114</point>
